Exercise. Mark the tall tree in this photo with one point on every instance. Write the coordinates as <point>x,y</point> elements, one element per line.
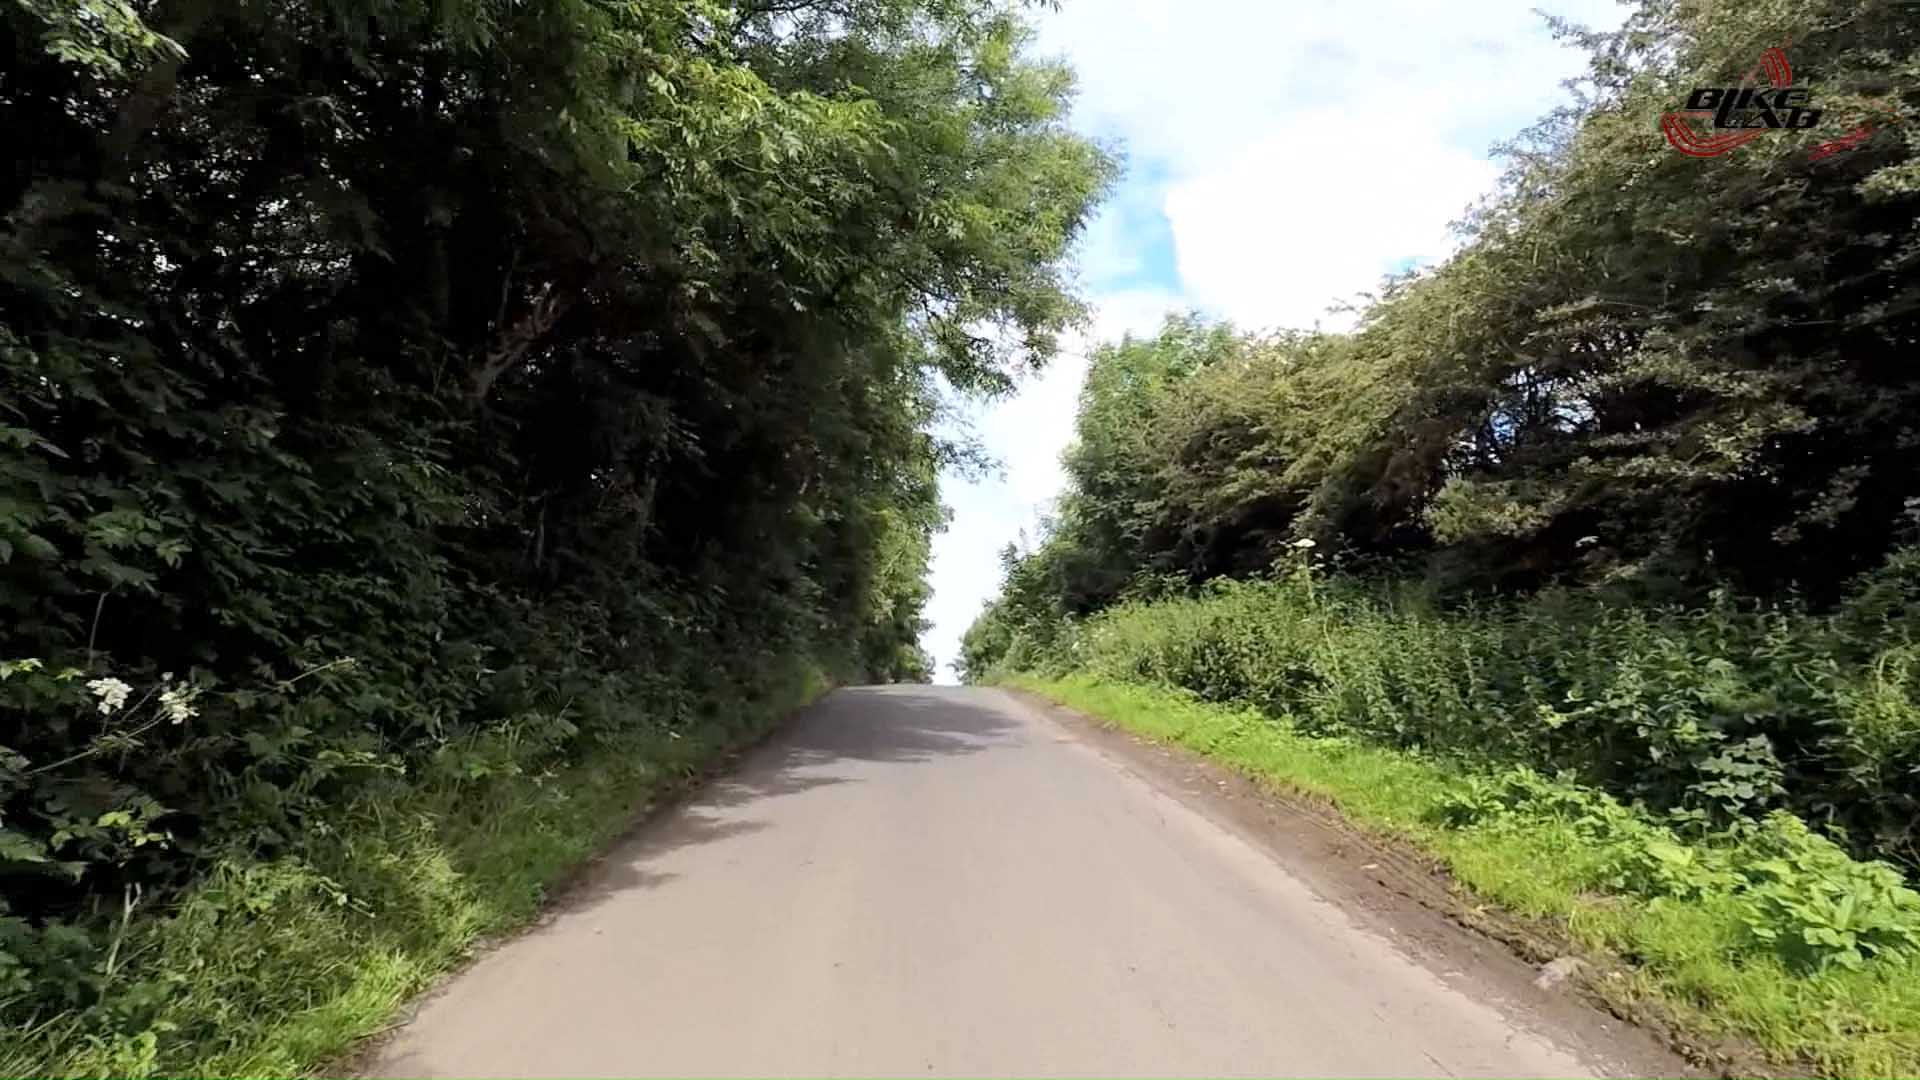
<point>547,358</point>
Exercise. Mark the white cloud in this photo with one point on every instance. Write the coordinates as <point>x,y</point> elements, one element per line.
<point>1310,147</point>
<point>1295,150</point>
<point>1191,81</point>
<point>1136,311</point>
<point>1275,233</point>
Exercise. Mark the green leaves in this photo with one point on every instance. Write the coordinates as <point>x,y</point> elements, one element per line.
<point>1798,894</point>
<point>1630,376</point>
<point>16,848</point>
<point>1719,715</point>
<point>1660,381</point>
<point>564,363</point>
<point>106,37</point>
<point>1818,907</point>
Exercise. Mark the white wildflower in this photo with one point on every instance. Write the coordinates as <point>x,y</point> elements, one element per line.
<point>177,702</point>
<point>111,692</point>
<point>1304,544</point>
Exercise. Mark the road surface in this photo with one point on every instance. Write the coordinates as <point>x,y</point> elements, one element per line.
<point>942,881</point>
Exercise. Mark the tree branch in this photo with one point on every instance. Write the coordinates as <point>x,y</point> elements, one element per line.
<point>512,345</point>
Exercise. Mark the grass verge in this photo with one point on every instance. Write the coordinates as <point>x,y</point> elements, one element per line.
<point>275,968</point>
<point>1684,925</point>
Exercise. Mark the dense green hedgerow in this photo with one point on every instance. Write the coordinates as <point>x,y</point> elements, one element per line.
<point>1717,714</point>
<point>424,425</point>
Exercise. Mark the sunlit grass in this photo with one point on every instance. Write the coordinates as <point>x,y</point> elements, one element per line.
<point>274,969</point>
<point>1691,957</point>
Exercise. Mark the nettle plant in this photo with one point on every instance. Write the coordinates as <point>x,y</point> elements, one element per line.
<point>1798,894</point>
<point>1816,905</point>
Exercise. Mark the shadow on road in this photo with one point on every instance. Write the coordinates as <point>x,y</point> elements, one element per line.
<point>901,724</point>
<point>883,724</point>
<point>625,867</point>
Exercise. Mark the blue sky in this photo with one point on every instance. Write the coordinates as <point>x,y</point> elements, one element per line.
<point>1281,157</point>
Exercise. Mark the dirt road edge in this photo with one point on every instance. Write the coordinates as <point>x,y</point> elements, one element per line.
<point>1406,896</point>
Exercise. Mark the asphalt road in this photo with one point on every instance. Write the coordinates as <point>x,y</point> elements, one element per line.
<point>944,881</point>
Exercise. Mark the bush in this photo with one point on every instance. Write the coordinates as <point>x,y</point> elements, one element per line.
<point>1799,895</point>
<point>1818,906</point>
<point>1718,714</point>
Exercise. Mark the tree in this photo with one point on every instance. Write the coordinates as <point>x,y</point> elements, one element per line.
<point>546,358</point>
